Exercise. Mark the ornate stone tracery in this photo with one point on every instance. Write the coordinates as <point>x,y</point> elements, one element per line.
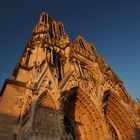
<point>65,90</point>
<point>26,111</point>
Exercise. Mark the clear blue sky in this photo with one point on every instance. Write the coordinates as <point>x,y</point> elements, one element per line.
<point>112,25</point>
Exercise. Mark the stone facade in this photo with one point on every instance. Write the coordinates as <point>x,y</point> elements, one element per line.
<point>64,90</point>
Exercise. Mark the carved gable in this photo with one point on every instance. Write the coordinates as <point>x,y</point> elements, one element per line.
<point>64,90</point>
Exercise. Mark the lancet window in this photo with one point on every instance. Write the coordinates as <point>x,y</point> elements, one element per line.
<point>81,43</point>
<point>52,29</point>
<point>58,63</point>
<point>44,18</point>
<point>60,29</point>
<point>28,54</point>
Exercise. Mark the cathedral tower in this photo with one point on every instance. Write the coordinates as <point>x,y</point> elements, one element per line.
<point>64,90</point>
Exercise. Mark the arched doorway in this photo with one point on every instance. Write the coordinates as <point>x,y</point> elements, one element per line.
<point>119,119</point>
<point>84,119</point>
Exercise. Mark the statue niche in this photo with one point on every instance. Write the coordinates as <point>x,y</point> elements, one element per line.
<point>111,129</point>
<point>55,61</point>
<point>26,111</point>
<point>69,115</point>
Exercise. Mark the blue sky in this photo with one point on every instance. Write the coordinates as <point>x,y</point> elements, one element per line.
<point>112,25</point>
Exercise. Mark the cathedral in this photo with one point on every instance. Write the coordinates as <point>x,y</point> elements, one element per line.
<point>63,89</point>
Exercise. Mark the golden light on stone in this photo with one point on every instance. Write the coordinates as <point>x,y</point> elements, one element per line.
<point>64,90</point>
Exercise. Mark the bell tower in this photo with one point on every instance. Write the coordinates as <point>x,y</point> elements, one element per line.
<point>64,90</point>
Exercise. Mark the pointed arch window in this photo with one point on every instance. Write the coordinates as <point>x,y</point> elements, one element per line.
<point>28,55</point>
<point>81,43</point>
<point>58,63</point>
<point>60,29</point>
<point>43,17</point>
<point>51,30</point>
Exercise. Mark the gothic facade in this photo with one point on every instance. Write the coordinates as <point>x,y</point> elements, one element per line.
<point>64,90</point>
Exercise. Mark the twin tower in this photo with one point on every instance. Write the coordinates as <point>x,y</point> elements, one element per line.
<point>64,90</point>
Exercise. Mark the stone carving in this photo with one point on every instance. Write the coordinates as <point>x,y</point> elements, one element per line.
<point>26,111</point>
<point>57,79</point>
<point>88,83</point>
<point>45,116</point>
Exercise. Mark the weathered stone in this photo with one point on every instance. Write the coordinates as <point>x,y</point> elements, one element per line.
<point>64,90</point>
